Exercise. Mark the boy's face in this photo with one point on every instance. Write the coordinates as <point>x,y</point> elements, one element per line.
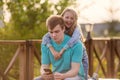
<point>57,34</point>
<point>69,19</point>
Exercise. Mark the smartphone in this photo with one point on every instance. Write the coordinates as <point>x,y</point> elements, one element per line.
<point>48,71</point>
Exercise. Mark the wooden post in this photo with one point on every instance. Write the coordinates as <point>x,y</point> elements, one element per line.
<point>110,60</point>
<point>22,63</point>
<point>89,49</point>
<point>26,62</point>
<point>117,52</point>
<point>29,60</point>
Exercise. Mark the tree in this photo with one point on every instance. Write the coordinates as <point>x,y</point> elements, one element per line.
<point>28,18</point>
<point>27,21</point>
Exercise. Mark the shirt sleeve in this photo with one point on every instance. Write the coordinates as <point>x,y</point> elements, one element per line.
<point>46,40</point>
<point>45,54</point>
<point>74,39</point>
<point>77,52</point>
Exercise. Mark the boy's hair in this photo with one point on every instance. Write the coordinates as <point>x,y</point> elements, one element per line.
<point>53,21</point>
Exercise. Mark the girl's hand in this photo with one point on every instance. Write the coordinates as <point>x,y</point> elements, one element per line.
<point>62,51</point>
<point>56,55</point>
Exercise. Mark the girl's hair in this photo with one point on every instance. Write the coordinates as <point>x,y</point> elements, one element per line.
<point>72,28</point>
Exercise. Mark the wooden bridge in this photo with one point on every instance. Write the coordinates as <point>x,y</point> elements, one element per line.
<point>104,57</point>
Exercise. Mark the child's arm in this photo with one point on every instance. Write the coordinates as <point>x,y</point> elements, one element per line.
<point>75,37</point>
<point>46,41</point>
<point>55,53</point>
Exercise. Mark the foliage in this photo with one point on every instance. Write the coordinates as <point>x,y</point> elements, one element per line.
<point>28,18</point>
<point>112,31</point>
<point>27,22</point>
<point>59,7</point>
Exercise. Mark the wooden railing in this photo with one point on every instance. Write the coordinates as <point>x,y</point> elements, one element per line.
<point>104,56</point>
<point>105,52</point>
<point>25,52</point>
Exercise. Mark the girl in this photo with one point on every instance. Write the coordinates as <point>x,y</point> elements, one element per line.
<point>72,29</point>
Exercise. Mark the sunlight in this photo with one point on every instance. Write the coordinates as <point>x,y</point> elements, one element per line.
<point>116,10</point>
<point>6,13</point>
<point>54,1</point>
<point>95,11</point>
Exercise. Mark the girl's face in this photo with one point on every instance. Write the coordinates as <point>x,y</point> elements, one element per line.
<point>69,19</point>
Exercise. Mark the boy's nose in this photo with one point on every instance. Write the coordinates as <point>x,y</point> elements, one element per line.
<point>53,34</point>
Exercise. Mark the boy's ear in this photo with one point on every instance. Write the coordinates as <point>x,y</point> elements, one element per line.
<point>64,29</point>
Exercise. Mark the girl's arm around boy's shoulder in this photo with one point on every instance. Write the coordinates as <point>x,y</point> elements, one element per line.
<point>74,38</point>
<point>46,39</point>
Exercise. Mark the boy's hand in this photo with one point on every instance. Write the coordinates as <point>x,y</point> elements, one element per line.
<point>47,76</point>
<point>58,76</point>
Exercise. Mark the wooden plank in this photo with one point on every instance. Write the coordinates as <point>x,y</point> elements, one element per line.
<point>100,61</point>
<point>19,41</point>
<point>89,48</point>
<point>12,61</point>
<point>107,79</point>
<point>12,41</point>
<point>29,59</point>
<point>36,53</point>
<point>22,63</point>
<point>110,60</point>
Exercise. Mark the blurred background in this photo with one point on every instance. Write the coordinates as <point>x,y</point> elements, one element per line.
<point>25,20</point>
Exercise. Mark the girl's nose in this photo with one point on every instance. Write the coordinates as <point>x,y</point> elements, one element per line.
<point>69,19</point>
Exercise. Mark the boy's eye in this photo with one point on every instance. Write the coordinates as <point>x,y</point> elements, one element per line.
<point>51,32</point>
<point>56,31</point>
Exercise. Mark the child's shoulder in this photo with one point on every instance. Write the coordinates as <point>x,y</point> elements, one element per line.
<point>67,37</point>
<point>77,44</point>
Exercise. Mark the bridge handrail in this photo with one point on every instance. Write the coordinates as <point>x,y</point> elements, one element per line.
<point>27,49</point>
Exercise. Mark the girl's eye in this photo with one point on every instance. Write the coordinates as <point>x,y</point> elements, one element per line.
<point>66,16</point>
<point>72,18</point>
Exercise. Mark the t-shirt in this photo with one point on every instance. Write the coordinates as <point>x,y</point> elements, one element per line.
<point>62,65</point>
